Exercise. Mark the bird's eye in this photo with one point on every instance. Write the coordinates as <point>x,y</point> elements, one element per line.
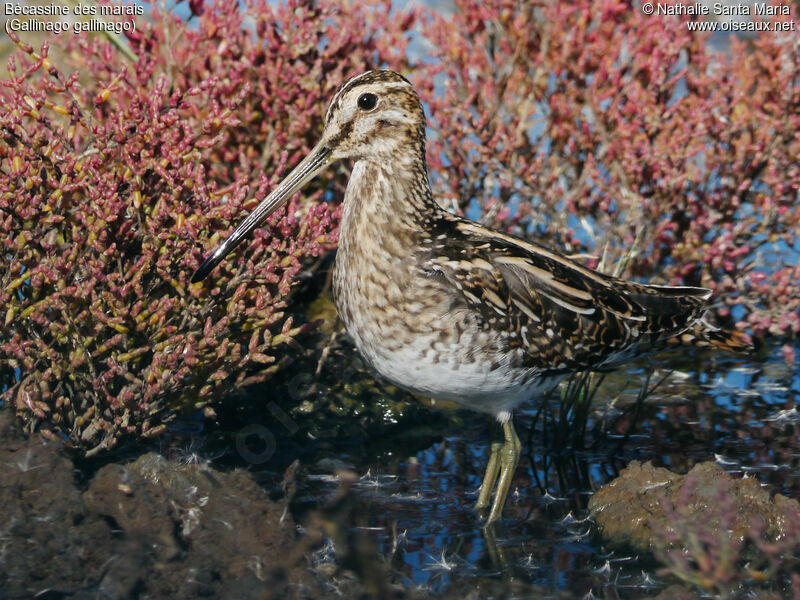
<point>367,101</point>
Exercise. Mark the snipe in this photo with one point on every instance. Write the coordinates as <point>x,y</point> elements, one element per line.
<point>448,309</point>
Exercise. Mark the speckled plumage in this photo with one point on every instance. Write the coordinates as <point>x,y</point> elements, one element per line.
<point>446,308</point>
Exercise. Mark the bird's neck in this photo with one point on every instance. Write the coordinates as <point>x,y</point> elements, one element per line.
<point>388,196</point>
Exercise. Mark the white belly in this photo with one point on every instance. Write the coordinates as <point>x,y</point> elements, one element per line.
<point>421,369</point>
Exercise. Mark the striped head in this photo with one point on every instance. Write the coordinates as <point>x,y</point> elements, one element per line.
<point>374,116</point>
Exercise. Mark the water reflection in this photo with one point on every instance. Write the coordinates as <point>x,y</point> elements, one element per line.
<point>418,505</point>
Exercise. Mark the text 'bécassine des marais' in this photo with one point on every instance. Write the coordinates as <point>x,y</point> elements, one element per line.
<point>89,10</point>
<point>757,9</point>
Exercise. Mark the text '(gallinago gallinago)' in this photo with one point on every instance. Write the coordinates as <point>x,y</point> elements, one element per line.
<point>446,308</point>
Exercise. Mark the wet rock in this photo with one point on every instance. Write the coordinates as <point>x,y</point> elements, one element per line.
<point>641,507</point>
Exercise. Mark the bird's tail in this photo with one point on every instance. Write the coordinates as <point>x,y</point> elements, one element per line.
<point>704,335</point>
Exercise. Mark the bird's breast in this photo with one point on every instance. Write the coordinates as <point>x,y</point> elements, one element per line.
<point>408,327</point>
<point>408,322</point>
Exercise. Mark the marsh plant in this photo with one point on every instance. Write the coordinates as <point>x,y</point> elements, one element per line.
<point>587,124</point>
<point>118,176</point>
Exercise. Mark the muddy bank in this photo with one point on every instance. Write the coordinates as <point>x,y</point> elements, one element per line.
<point>156,528</point>
<point>152,527</point>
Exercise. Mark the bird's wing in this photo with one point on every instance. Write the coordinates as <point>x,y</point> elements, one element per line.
<point>565,315</point>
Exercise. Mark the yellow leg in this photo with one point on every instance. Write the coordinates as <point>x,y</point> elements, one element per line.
<point>489,477</point>
<point>509,457</point>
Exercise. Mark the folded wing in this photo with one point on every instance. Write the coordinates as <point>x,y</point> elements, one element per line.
<point>563,314</point>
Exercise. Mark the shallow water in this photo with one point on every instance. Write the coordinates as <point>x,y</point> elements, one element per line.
<point>415,490</point>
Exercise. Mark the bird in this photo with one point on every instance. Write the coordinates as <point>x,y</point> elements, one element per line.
<point>449,309</point>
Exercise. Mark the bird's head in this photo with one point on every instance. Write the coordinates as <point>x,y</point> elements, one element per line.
<point>375,116</point>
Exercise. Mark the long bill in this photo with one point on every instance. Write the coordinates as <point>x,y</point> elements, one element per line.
<point>311,165</point>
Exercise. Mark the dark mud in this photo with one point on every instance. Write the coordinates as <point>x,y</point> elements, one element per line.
<point>155,528</point>
<point>150,528</point>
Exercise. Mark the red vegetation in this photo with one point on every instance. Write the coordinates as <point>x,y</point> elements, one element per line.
<point>594,125</point>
